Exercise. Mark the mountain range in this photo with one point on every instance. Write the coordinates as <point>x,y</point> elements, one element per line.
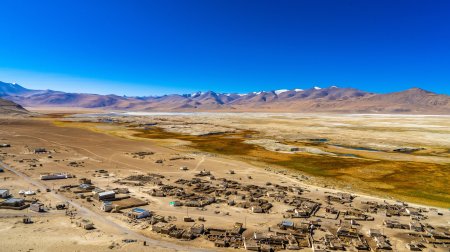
<point>331,99</point>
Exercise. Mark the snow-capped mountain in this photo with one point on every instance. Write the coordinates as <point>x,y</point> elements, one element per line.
<point>315,99</point>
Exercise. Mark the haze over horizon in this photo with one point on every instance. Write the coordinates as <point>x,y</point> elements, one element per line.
<point>163,47</point>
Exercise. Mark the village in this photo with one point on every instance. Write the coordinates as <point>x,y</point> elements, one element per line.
<point>182,198</point>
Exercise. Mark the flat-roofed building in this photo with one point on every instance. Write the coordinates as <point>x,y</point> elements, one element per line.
<point>105,195</point>
<point>139,213</point>
<point>14,202</point>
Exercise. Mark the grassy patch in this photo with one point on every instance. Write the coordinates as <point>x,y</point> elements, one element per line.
<point>424,183</point>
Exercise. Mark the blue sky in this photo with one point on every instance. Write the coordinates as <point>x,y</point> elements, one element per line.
<point>168,46</point>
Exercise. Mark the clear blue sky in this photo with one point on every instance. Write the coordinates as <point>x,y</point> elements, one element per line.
<point>155,47</point>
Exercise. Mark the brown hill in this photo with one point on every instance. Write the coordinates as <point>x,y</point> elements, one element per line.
<point>11,108</point>
<point>414,101</point>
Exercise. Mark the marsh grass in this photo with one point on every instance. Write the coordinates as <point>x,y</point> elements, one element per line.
<point>423,183</point>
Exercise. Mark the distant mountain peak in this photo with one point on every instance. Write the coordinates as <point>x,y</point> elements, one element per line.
<point>416,89</point>
<point>280,91</point>
<point>12,89</point>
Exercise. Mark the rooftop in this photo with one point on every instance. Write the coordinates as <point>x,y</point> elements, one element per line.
<point>139,210</point>
<point>106,193</point>
<point>14,200</point>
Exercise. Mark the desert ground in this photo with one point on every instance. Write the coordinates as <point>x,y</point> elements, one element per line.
<point>324,173</point>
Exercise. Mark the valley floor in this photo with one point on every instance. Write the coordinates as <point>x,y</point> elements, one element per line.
<point>84,148</point>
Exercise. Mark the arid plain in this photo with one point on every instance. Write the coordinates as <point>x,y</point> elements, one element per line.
<point>340,164</point>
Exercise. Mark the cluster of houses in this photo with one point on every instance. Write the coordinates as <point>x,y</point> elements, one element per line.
<point>226,238</point>
<point>400,209</point>
<point>197,192</point>
<point>286,235</point>
<point>342,198</point>
<point>204,189</point>
<point>10,202</point>
<point>171,230</point>
<point>220,237</point>
<point>303,207</point>
<point>111,200</point>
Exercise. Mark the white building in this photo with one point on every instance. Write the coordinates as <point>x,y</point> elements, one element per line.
<point>140,213</point>
<point>4,193</point>
<point>52,176</point>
